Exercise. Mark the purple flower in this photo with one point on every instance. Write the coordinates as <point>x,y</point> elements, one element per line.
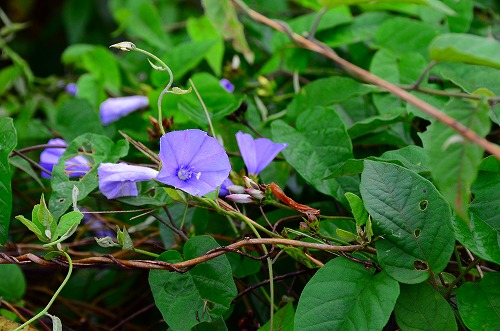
<point>71,89</point>
<point>227,85</point>
<point>113,109</point>
<point>74,167</point>
<point>257,153</point>
<point>192,161</point>
<point>224,187</point>
<point>119,180</point>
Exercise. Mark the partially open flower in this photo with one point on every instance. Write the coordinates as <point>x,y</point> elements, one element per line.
<point>257,153</point>
<point>224,187</point>
<point>119,180</point>
<point>192,161</point>
<point>74,167</point>
<point>113,109</point>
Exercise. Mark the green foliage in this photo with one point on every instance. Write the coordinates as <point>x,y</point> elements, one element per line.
<point>203,293</point>
<point>412,228</point>
<point>356,298</point>
<point>12,282</point>
<point>8,141</point>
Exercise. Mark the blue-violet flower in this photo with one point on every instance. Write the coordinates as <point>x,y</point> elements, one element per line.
<point>74,167</point>
<point>119,180</point>
<point>71,89</point>
<point>257,153</point>
<point>113,109</point>
<point>192,161</point>
<point>223,191</point>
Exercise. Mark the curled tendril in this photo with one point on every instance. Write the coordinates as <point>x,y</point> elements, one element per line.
<point>127,46</point>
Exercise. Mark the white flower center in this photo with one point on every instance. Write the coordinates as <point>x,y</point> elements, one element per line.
<point>184,174</point>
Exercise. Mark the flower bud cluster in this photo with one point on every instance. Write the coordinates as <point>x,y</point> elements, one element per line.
<point>249,194</point>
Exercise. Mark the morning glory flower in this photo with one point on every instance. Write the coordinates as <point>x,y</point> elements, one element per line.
<point>192,161</point>
<point>74,167</point>
<point>119,180</point>
<point>113,109</point>
<point>227,85</point>
<point>257,153</point>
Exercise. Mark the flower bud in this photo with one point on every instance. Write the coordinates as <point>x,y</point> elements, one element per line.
<point>236,189</point>
<point>256,194</point>
<point>240,198</point>
<point>250,183</point>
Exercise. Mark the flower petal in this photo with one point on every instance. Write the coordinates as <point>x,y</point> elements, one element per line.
<point>247,149</point>
<point>258,153</point>
<point>113,109</point>
<point>117,180</point>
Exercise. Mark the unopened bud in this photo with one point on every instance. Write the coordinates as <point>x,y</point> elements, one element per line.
<point>240,198</point>
<point>250,183</point>
<point>235,189</point>
<point>256,194</point>
<point>124,46</point>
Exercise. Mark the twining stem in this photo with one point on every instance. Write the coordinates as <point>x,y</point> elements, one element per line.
<point>471,266</point>
<point>47,307</point>
<point>368,77</point>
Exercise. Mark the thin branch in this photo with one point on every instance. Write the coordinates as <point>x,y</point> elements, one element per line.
<point>368,77</point>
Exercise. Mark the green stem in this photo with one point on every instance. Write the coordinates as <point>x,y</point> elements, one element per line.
<point>458,279</point>
<point>41,313</point>
<point>165,90</point>
<point>204,107</point>
<point>137,250</point>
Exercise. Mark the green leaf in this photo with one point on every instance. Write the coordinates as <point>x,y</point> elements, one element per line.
<point>344,295</point>
<point>201,29</point>
<point>374,124</point>
<point>45,219</point>
<point>479,303</point>
<point>405,35</point>
<point>325,92</point>
<point>124,239</point>
<point>202,294</point>
<point>12,282</point>
<point>358,209</point>
<point>25,166</point>
<point>33,228</point>
<point>283,319</point>
<point>7,77</point>
<point>97,60</point>
<point>455,173</point>
<point>470,77</point>
<point>98,149</point>
<point>412,218</point>
<point>181,59</point>
<point>224,18</point>
<point>482,234</point>
<point>330,227</point>
<point>421,307</point>
<point>70,116</point>
<point>8,141</point>
<point>438,5</point>
<point>317,145</point>
<point>67,222</point>
<point>218,101</point>
<point>465,14</point>
<point>465,48</point>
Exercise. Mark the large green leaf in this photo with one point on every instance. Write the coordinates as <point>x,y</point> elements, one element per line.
<point>405,35</point>
<point>455,173</point>
<point>218,101</point>
<point>201,29</point>
<point>223,16</point>
<point>202,294</point>
<point>421,307</point>
<point>482,234</point>
<point>479,303</point>
<point>465,48</point>
<point>317,145</point>
<point>8,141</point>
<point>325,92</point>
<point>436,4</point>
<point>412,218</point>
<point>97,149</point>
<point>344,295</point>
<point>70,116</point>
<point>12,282</point>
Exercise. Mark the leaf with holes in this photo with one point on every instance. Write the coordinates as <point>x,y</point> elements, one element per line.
<point>202,294</point>
<point>97,149</point>
<point>8,141</point>
<point>479,303</point>
<point>412,218</point>
<point>420,307</point>
<point>344,295</point>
